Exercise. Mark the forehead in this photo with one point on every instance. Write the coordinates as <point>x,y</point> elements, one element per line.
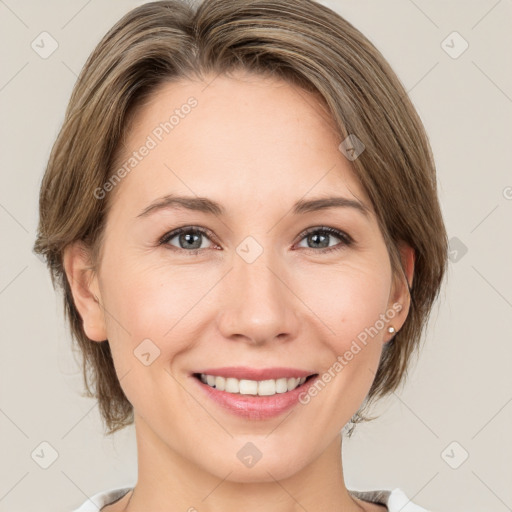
<point>246,137</point>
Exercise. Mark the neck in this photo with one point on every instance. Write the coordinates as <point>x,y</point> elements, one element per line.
<point>167,482</point>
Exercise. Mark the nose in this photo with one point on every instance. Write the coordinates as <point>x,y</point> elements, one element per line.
<point>258,305</point>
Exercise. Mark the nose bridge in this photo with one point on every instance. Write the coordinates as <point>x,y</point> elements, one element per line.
<point>258,306</point>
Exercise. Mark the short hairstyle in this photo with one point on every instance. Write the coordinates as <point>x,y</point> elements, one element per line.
<point>299,41</point>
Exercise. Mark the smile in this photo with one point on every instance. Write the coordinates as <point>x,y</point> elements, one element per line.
<point>266,387</point>
<point>254,394</point>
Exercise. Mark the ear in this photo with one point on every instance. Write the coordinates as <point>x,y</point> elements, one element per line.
<point>400,288</point>
<point>84,287</point>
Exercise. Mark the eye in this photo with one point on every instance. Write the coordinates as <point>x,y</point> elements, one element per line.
<point>188,238</point>
<point>319,238</point>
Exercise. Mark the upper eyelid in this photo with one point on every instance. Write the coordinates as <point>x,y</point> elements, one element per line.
<point>346,239</point>
<point>343,236</point>
<point>184,229</point>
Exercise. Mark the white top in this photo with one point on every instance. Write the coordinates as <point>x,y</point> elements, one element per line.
<point>395,500</point>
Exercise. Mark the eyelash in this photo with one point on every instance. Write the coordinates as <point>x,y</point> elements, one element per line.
<point>346,240</point>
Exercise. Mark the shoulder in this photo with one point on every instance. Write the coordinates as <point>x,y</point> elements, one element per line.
<point>103,498</point>
<point>395,500</point>
<point>398,501</point>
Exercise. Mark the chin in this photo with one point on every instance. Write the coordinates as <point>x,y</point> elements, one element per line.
<point>277,465</point>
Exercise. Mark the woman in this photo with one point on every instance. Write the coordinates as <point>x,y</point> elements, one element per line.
<point>241,209</point>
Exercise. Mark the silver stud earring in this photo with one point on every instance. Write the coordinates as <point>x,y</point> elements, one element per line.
<point>391,330</point>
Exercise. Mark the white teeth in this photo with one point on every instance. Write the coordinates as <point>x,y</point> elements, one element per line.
<point>232,385</point>
<point>220,383</point>
<point>248,387</point>
<point>281,385</point>
<point>267,387</point>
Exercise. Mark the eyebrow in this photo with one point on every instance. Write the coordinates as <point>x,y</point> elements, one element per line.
<point>205,205</point>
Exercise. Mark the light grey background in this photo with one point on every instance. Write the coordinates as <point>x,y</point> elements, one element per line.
<point>460,390</point>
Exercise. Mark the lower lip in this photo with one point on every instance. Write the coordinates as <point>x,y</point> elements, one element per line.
<point>255,407</point>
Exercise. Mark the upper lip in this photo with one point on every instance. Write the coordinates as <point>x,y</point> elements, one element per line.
<point>244,372</point>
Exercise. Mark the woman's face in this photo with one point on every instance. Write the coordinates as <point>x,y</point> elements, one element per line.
<point>246,287</point>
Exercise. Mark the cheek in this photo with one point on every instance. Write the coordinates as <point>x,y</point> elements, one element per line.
<point>352,302</point>
<point>350,299</point>
<point>146,324</point>
<point>150,303</point>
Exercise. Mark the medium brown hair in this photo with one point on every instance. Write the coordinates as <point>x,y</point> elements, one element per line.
<point>300,41</point>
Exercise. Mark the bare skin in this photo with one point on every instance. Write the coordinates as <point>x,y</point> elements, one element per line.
<point>256,146</point>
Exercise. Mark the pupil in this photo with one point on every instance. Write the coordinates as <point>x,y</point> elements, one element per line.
<point>315,238</point>
<point>189,239</point>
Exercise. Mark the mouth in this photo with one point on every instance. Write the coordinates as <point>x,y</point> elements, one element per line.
<point>254,394</point>
<point>265,387</point>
